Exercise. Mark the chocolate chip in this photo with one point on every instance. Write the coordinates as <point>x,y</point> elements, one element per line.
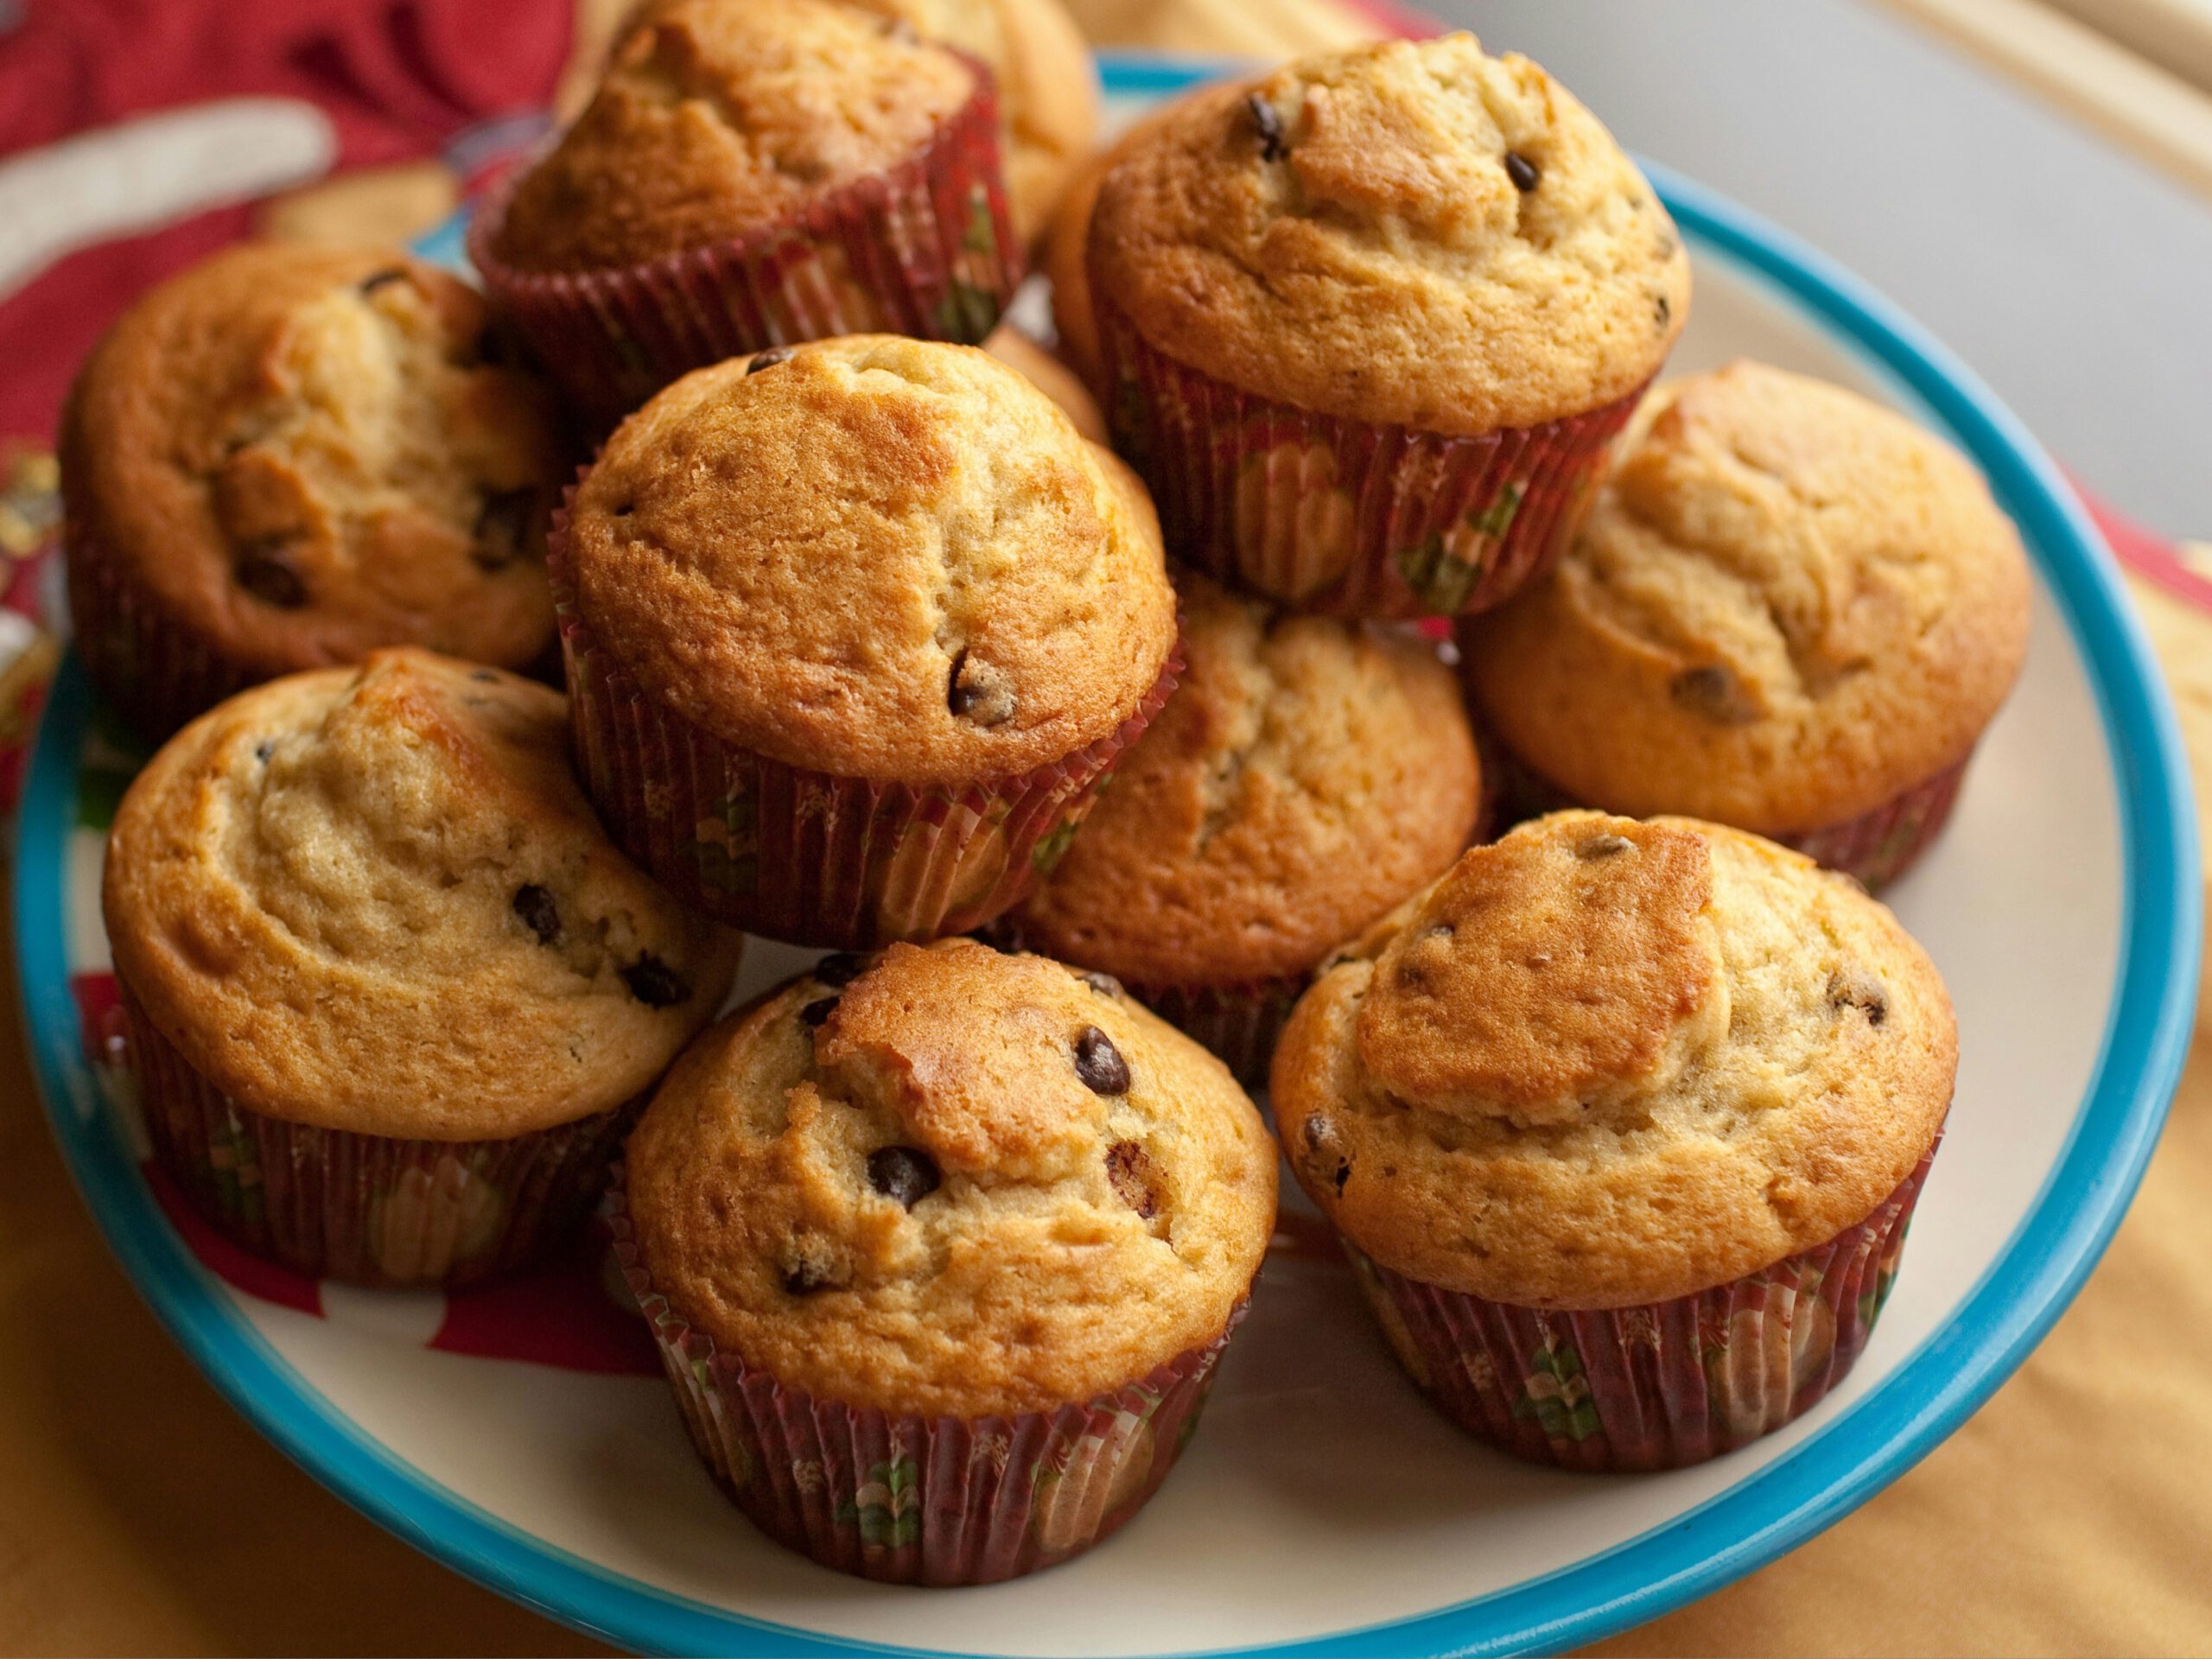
<point>1324,1154</point>
<point>1664,310</point>
<point>1104,984</point>
<point>809,1265</point>
<point>769,359</point>
<point>1130,1173</point>
<point>654,983</point>
<point>484,676</point>
<point>1521,171</point>
<point>1854,988</point>
<point>979,692</point>
<point>383,278</point>
<point>840,969</point>
<point>816,1011</point>
<point>906,1174</point>
<point>538,911</point>
<point>1274,145</point>
<point>800,1281</point>
<point>1598,846</point>
<point>501,523</point>
<point>1099,1064</point>
<point>265,570</point>
<point>1710,689</point>
<point>623,509</point>
<point>264,749</point>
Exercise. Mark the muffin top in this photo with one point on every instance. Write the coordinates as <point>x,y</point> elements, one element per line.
<point>308,453</point>
<point>943,1181</point>
<point>374,898</point>
<point>1307,777</point>
<point>1605,1062</point>
<point>1787,606</point>
<point>1409,233</point>
<point>876,558</point>
<point>718,116</point>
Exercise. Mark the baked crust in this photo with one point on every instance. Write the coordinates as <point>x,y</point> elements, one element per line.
<point>1053,1241</point>
<point>317,891</point>
<point>1788,607</point>
<point>1607,1062</point>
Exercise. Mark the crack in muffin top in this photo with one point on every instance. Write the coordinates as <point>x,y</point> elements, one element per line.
<point>1409,233</point>
<point>376,899</point>
<point>874,557</point>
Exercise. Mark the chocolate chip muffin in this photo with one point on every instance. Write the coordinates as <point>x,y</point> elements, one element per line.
<point>1791,610</point>
<point>392,993</point>
<point>286,457</point>
<point>1308,777</point>
<point>1622,1124</point>
<point>1372,321</point>
<point>753,173</point>
<point>942,1246</point>
<point>871,700</point>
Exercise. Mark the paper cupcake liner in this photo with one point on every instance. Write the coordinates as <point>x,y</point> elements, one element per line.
<point>921,1500</point>
<point>1339,516</point>
<point>808,857</point>
<point>1654,1387</point>
<point>369,1210</point>
<point>925,248</point>
<point>1239,1023</point>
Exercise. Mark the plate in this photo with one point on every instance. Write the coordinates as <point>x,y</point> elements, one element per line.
<point>520,1434</point>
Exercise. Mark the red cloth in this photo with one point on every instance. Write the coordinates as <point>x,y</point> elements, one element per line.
<point>400,80</point>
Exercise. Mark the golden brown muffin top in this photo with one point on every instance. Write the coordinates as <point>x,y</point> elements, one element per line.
<point>1409,233</point>
<point>876,558</point>
<point>718,116</point>
<point>1307,777</point>
<point>374,898</point>
<point>308,453</point>
<point>1788,607</point>
<point>943,1181</point>
<point>1605,1062</point>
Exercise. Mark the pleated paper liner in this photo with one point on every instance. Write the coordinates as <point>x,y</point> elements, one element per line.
<point>922,1500</point>
<point>369,1210</point>
<point>925,249</point>
<point>808,857</point>
<point>1654,1387</point>
<point>1343,517</point>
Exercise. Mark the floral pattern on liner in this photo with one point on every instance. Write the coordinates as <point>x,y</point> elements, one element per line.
<point>924,249</point>
<point>1339,516</point>
<point>1654,1387</point>
<point>922,1500</point>
<point>366,1208</point>
<point>807,857</point>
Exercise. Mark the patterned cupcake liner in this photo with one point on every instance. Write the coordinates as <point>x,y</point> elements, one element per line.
<point>1655,1387</point>
<point>1343,517</point>
<point>366,1208</point>
<point>921,1500</point>
<point>925,248</point>
<point>809,857</point>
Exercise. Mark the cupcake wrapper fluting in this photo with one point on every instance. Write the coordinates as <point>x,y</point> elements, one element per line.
<point>367,1209</point>
<point>1340,517</point>
<point>922,1500</point>
<point>807,857</point>
<point>925,248</point>
<point>1654,1387</point>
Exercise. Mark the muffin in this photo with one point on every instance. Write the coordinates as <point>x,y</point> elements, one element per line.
<point>755,173</point>
<point>1622,1124</point>
<point>392,994</point>
<point>941,1249</point>
<point>1369,323</point>
<point>287,457</point>
<point>1308,777</point>
<point>853,633</point>
<point>1790,611</point>
<point>1050,376</point>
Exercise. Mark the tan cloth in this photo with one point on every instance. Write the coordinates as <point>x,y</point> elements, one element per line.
<point>2073,1515</point>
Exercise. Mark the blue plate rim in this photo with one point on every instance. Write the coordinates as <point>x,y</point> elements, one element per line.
<point>1777,1508</point>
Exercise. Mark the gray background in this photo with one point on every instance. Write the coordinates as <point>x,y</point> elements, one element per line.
<point>2075,280</point>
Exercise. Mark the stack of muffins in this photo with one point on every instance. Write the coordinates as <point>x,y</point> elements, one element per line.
<point>1621,1116</point>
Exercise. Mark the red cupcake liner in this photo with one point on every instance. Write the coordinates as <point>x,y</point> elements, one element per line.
<point>369,1210</point>
<point>908,1499</point>
<point>1654,1387</point>
<point>809,857</point>
<point>1343,517</point>
<point>925,248</point>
